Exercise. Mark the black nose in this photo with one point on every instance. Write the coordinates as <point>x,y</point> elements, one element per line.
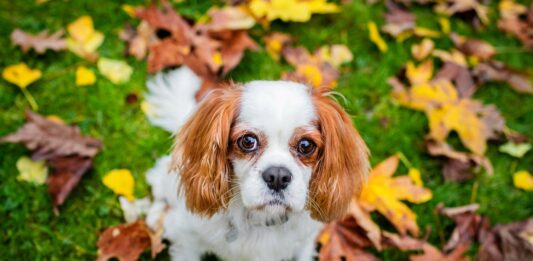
<point>277,178</point>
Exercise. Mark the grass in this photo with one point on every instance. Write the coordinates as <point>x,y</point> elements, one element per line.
<point>31,231</point>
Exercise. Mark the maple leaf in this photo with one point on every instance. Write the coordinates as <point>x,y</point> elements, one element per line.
<point>461,77</point>
<point>32,171</point>
<point>513,23</point>
<point>39,42</point>
<point>497,71</point>
<point>138,39</point>
<point>84,76</point>
<point>290,10</point>
<point>116,71</point>
<point>121,182</point>
<point>21,75</point>
<point>383,193</point>
<point>83,39</point>
<point>523,180</point>
<point>63,147</point>
<point>127,242</point>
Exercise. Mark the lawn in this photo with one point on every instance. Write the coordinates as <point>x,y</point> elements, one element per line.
<point>31,230</point>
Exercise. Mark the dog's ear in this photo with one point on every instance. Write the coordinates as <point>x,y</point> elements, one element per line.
<point>342,162</point>
<point>201,152</point>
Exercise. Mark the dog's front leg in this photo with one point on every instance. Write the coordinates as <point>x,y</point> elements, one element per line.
<point>180,252</point>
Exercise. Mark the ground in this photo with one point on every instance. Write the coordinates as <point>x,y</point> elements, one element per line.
<point>30,229</point>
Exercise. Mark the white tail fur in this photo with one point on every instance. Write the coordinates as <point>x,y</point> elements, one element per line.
<point>171,98</point>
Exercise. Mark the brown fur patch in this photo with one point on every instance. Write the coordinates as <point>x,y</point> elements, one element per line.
<point>201,152</point>
<point>312,134</point>
<point>342,163</point>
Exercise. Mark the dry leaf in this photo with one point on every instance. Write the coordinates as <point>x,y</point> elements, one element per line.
<point>83,39</point>
<point>39,42</point>
<point>399,22</point>
<point>523,180</point>
<point>138,39</point>
<point>21,75</point>
<point>310,69</point>
<point>461,77</point>
<point>419,75</point>
<point>514,23</point>
<point>84,76</point>
<point>422,50</point>
<point>510,8</point>
<point>127,242</point>
<point>508,242</point>
<point>116,71</point>
<point>230,18</point>
<point>336,54</point>
<point>433,254</point>
<point>469,225</point>
<point>290,10</point>
<point>121,182</point>
<point>67,172</point>
<point>473,47</point>
<point>32,171</point>
<point>464,7</point>
<point>275,42</point>
<point>383,193</point>
<point>497,71</point>
<point>48,139</point>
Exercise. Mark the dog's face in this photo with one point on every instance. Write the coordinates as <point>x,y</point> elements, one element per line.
<point>274,146</point>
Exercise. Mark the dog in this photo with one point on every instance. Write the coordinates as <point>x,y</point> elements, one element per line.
<point>256,168</point>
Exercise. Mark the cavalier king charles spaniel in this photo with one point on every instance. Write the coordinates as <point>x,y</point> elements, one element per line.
<point>256,169</point>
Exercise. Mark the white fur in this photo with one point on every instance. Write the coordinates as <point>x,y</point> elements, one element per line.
<point>171,98</point>
<point>240,232</point>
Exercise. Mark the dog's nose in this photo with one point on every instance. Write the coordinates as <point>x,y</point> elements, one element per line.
<point>277,178</point>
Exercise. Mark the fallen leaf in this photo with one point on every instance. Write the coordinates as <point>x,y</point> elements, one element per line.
<point>461,77</point>
<point>138,39</point>
<point>517,150</point>
<point>21,75</point>
<point>444,23</point>
<point>469,225</point>
<point>399,22</point>
<point>116,71</point>
<point>134,210</point>
<point>419,75</point>
<point>433,254</point>
<point>39,42</point>
<point>67,172</point>
<point>275,42</point>
<point>460,7</point>
<point>415,176</point>
<point>127,242</point>
<point>83,39</point>
<point>383,193</point>
<point>454,56</point>
<point>473,47</point>
<point>48,139</point>
<point>121,182</point>
<point>517,22</point>
<point>508,242</point>
<point>32,171</point>
<point>84,76</point>
<point>497,71</point>
<point>510,8</point>
<point>523,180</point>
<point>290,10</point>
<point>422,50</point>
<point>375,37</point>
<point>230,18</point>
<point>336,54</point>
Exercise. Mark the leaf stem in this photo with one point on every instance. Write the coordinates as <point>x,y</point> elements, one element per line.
<point>404,160</point>
<point>30,99</point>
<point>473,196</point>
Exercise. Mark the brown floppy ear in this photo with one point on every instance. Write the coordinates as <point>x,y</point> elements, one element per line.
<point>342,164</point>
<point>201,152</point>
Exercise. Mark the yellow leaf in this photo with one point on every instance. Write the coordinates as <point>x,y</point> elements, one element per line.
<point>84,39</point>
<point>510,9</point>
<point>275,42</point>
<point>114,70</point>
<point>336,54</point>
<point>444,23</point>
<point>523,180</point>
<point>20,75</point>
<point>425,32</point>
<point>311,73</point>
<point>383,193</point>
<point>514,149</point>
<point>422,50</point>
<point>129,9</point>
<point>290,10</point>
<point>415,176</point>
<point>32,171</point>
<point>375,37</point>
<point>421,74</point>
<point>55,119</point>
<point>121,182</point>
<point>454,56</point>
<point>84,76</point>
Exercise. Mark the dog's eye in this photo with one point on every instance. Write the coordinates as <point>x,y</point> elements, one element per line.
<point>306,147</point>
<point>248,143</point>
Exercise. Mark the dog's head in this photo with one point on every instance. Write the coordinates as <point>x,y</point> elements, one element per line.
<point>276,147</point>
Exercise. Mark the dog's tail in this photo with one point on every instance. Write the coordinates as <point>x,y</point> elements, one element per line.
<point>170,98</point>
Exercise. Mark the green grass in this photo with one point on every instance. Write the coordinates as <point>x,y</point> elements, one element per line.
<point>31,231</point>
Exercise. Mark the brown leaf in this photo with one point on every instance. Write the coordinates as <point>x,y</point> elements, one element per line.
<point>519,27</point>
<point>473,47</point>
<point>127,242</point>
<point>138,40</point>
<point>39,42</point>
<point>433,254</point>
<point>276,42</point>
<point>508,242</point>
<point>66,174</point>
<point>469,225</point>
<point>233,49</point>
<point>497,71</point>
<point>398,20</point>
<point>49,139</point>
<point>310,69</point>
<point>461,76</point>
